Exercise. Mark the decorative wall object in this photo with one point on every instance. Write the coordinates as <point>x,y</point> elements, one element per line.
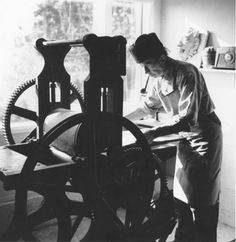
<point>191,44</point>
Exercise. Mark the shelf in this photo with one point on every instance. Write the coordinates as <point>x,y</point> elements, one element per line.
<point>217,70</point>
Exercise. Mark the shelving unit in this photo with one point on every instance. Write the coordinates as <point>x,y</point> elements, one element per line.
<point>214,70</point>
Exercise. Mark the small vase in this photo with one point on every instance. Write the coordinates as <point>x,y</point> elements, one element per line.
<point>208,59</point>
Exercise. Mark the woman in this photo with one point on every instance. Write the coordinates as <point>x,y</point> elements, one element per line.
<point>181,90</point>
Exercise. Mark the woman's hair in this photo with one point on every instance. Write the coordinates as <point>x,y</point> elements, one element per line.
<point>147,46</point>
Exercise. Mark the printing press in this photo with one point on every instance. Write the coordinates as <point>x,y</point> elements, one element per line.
<point>94,186</point>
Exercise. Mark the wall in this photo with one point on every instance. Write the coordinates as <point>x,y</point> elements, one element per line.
<point>222,84</point>
<point>218,17</point>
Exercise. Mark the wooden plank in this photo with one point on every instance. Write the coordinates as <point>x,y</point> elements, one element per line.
<point>11,162</point>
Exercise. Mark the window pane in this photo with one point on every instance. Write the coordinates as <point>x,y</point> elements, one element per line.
<point>67,20</point>
<point>51,20</point>
<point>59,20</point>
<point>126,21</point>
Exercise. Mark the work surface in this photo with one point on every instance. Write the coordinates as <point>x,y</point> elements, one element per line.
<point>12,162</point>
<point>161,141</point>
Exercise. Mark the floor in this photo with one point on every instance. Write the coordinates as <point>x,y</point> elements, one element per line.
<point>47,232</point>
<point>224,234</point>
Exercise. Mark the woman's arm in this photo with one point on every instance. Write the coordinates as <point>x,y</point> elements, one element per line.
<point>170,128</point>
<point>137,114</point>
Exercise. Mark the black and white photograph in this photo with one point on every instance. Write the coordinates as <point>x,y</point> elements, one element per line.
<point>118,120</point>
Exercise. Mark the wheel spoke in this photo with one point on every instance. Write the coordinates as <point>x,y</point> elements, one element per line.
<point>32,134</point>
<point>24,113</point>
<point>128,218</point>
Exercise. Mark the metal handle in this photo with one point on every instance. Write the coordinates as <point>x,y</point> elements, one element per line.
<point>77,42</point>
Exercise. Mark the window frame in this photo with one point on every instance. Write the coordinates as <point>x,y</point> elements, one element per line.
<point>102,25</point>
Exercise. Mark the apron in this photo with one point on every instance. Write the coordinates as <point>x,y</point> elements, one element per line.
<point>198,162</point>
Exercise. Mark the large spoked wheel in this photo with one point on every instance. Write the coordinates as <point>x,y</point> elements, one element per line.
<point>22,108</point>
<point>117,205</point>
<point>145,222</point>
<point>132,191</point>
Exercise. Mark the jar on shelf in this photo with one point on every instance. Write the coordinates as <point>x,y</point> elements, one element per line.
<point>208,57</point>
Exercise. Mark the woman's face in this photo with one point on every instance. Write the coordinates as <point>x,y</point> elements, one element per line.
<point>154,67</point>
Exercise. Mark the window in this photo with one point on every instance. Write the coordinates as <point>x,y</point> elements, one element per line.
<point>127,21</point>
<point>63,19</point>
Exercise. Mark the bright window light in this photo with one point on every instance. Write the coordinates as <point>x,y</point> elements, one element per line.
<point>23,22</point>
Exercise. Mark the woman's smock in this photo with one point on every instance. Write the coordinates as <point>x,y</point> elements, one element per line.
<point>184,96</point>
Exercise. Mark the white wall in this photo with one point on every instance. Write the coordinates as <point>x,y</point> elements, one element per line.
<point>222,87</point>
<point>216,16</point>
